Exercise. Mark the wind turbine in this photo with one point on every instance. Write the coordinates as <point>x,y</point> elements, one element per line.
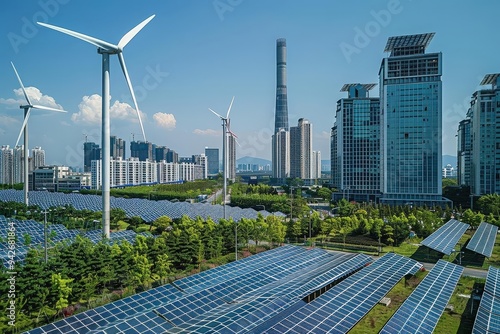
<point>24,128</point>
<point>224,150</point>
<point>106,49</point>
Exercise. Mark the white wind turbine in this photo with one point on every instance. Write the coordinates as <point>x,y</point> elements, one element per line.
<point>224,151</point>
<point>107,49</point>
<point>24,128</point>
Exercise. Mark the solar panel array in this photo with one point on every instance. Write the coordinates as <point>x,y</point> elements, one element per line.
<point>146,209</point>
<point>483,240</point>
<point>340,308</point>
<point>214,300</point>
<point>488,314</point>
<point>446,237</point>
<point>33,231</point>
<point>421,311</point>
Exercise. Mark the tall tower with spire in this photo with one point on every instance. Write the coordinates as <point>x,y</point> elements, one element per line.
<point>281,138</point>
<point>281,116</point>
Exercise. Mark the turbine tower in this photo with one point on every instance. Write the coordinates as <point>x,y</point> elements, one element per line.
<point>106,49</point>
<point>224,151</point>
<point>27,110</point>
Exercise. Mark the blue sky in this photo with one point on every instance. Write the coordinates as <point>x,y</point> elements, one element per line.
<point>198,54</point>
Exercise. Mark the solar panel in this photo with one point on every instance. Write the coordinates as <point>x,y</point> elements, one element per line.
<point>446,237</point>
<point>341,307</point>
<point>488,313</point>
<point>421,311</point>
<point>490,79</point>
<point>408,41</point>
<point>483,240</point>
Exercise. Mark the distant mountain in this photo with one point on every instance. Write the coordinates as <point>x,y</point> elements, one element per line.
<point>450,159</point>
<point>253,161</point>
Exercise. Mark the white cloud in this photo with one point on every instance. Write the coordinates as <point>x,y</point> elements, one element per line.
<point>35,96</point>
<point>207,132</point>
<point>7,120</point>
<point>165,120</point>
<point>89,111</point>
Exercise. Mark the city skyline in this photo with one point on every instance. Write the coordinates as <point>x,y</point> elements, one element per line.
<point>205,53</point>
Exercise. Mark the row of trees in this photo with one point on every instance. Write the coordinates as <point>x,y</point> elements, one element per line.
<point>83,274</point>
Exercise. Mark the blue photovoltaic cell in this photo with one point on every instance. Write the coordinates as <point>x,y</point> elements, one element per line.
<point>492,282</point>
<point>488,313</point>
<point>421,311</point>
<point>446,237</point>
<point>341,307</point>
<point>483,240</point>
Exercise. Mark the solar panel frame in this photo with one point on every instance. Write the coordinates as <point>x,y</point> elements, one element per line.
<point>483,240</point>
<point>421,311</point>
<point>446,237</point>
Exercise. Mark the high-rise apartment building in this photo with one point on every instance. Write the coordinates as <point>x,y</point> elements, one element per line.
<point>231,157</point>
<point>145,151</point>
<point>37,158</point>
<point>91,151</point>
<point>482,144</point>
<point>301,150</point>
<point>316,165</point>
<point>281,136</point>
<point>212,160</point>
<point>6,158</point>
<point>161,153</point>
<point>355,144</point>
<point>411,122</point>
<point>117,147</point>
<point>281,154</point>
<point>18,164</point>
<point>464,152</point>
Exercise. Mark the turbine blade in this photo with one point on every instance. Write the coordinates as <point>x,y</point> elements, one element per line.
<point>23,126</point>
<point>125,72</point>
<point>216,114</point>
<point>92,40</point>
<point>232,133</point>
<point>21,83</point>
<point>229,110</point>
<point>128,36</point>
<point>37,106</point>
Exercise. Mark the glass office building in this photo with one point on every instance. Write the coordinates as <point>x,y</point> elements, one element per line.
<point>411,123</point>
<point>355,145</point>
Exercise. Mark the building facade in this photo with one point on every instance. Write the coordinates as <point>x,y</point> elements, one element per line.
<point>301,150</point>
<point>91,151</point>
<point>18,164</point>
<point>482,144</point>
<point>6,158</point>
<point>144,151</point>
<point>281,136</point>
<point>37,158</point>
<point>411,123</point>
<point>212,155</point>
<point>355,144</point>
<point>117,147</point>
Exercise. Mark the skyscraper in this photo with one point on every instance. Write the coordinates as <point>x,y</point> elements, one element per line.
<point>6,156</point>
<point>18,164</point>
<point>301,150</point>
<point>91,151</point>
<point>143,150</point>
<point>281,136</point>
<point>231,157</point>
<point>464,152</point>
<point>117,147</point>
<point>316,165</point>
<point>212,160</point>
<point>481,144</point>
<point>411,122</point>
<point>37,158</point>
<point>355,144</point>
<point>281,154</point>
<point>281,116</point>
